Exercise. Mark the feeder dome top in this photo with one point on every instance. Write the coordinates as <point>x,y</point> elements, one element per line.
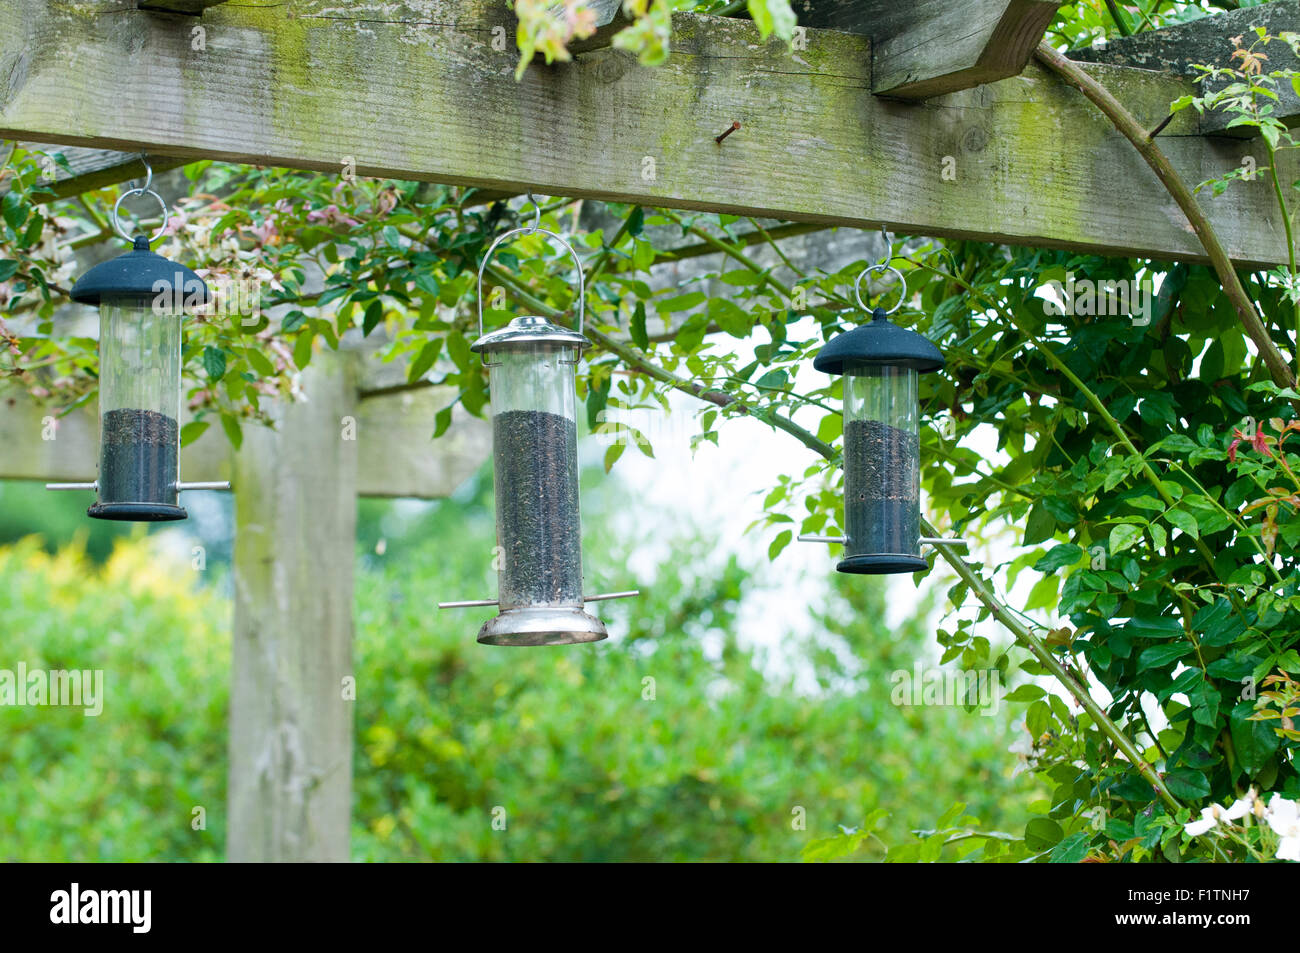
<point>529,330</point>
<point>879,342</point>
<point>140,273</point>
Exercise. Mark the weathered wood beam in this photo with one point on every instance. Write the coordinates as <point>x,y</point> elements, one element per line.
<point>189,7</point>
<point>1207,41</point>
<point>926,48</point>
<point>398,457</point>
<point>96,168</point>
<point>1026,160</point>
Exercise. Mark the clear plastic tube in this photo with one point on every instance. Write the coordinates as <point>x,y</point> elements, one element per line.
<point>882,477</point>
<point>139,402</point>
<point>535,466</point>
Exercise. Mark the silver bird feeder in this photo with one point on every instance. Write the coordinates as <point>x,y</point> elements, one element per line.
<point>141,298</point>
<point>880,363</point>
<point>531,366</point>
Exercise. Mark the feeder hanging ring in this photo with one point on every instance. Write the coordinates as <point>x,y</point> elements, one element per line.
<point>531,230</point>
<point>117,221</point>
<point>872,269</point>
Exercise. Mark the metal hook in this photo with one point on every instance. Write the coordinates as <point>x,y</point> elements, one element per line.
<point>582,280</point>
<point>537,214</point>
<point>870,269</point>
<point>889,246</point>
<point>148,180</point>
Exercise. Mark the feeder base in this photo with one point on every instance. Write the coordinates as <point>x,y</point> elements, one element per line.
<point>137,512</point>
<point>544,625</point>
<point>877,564</point>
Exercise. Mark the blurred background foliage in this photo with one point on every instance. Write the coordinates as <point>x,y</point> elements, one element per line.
<point>734,751</point>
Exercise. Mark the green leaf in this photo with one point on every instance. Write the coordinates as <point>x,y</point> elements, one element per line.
<point>1254,741</point>
<point>1162,628</point>
<point>293,321</point>
<point>442,421</point>
<point>1072,850</point>
<point>772,16</point>
<point>781,542</point>
<point>428,283</point>
<point>1042,833</point>
<point>302,349</point>
<point>1161,656</point>
<point>1025,693</point>
<point>1058,557</point>
<point>14,209</point>
<point>214,363</point>
<point>1123,537</point>
<point>1040,525</point>
<point>458,350</point>
<point>193,430</point>
<point>612,453</point>
<point>234,433</point>
<point>8,268</point>
<point>636,221</point>
<point>1188,784</point>
<point>639,336</point>
<point>424,360</point>
<point>374,314</point>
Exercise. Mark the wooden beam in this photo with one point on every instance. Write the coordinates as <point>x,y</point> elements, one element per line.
<point>188,7</point>
<point>926,48</point>
<point>398,457</point>
<point>96,168</point>
<point>1207,42</point>
<point>1026,160</point>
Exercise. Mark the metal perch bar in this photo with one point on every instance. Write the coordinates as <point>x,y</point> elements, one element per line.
<point>478,603</point>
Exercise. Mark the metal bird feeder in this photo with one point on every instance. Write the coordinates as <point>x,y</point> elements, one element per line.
<point>141,298</point>
<point>531,364</point>
<point>880,363</point>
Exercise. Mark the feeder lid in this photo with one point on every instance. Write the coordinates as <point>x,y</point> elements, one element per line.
<point>138,274</point>
<point>529,330</point>
<point>879,342</point>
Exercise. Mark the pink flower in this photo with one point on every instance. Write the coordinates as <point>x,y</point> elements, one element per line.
<point>331,215</point>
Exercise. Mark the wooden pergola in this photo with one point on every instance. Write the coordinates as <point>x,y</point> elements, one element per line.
<point>926,118</point>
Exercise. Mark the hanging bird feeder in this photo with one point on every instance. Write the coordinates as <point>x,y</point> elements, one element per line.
<point>141,298</point>
<point>880,363</point>
<point>531,364</point>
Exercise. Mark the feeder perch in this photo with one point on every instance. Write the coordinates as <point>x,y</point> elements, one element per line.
<point>141,298</point>
<point>531,365</point>
<point>880,363</point>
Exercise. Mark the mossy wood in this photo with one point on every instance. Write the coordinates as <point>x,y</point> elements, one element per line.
<point>926,48</point>
<point>417,90</point>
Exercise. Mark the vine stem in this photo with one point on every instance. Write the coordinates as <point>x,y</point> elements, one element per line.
<point>1000,611</point>
<point>1278,367</point>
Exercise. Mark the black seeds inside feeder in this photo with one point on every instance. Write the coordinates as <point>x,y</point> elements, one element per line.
<point>141,298</point>
<point>882,476</point>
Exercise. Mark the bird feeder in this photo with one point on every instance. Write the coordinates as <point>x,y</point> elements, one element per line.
<point>880,363</point>
<point>531,364</point>
<point>141,298</point>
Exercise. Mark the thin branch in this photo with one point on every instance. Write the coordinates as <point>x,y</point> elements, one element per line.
<point>1278,367</point>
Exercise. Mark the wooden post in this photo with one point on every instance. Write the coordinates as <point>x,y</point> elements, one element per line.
<point>290,715</point>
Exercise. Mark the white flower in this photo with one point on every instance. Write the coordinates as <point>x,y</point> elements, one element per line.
<point>1284,817</point>
<point>1216,813</point>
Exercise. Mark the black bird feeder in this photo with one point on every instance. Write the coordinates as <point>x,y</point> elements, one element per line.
<point>880,363</point>
<point>531,365</point>
<point>141,298</point>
